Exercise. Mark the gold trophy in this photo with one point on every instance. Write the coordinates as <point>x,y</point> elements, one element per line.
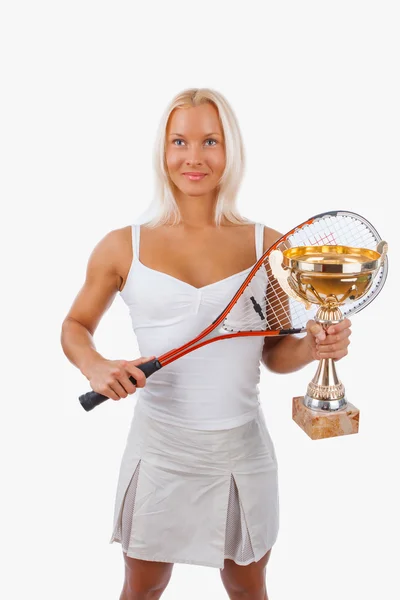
<point>329,276</point>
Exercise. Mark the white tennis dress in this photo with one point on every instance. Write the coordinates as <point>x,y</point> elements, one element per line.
<point>198,481</point>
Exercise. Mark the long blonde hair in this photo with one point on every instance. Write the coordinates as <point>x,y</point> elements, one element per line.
<point>164,204</point>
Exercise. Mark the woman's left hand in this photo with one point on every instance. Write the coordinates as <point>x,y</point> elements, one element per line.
<point>332,344</point>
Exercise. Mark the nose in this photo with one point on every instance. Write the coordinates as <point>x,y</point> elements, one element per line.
<point>194,161</point>
<point>194,156</point>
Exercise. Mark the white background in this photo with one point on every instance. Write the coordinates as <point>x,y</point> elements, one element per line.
<point>315,87</point>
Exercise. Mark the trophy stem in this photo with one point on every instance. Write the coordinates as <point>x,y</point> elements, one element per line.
<point>325,391</point>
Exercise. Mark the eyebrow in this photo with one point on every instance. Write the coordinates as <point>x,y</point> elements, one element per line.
<point>181,134</point>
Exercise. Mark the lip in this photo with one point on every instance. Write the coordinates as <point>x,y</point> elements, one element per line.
<point>194,176</point>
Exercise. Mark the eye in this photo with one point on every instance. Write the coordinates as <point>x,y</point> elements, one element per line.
<point>180,140</point>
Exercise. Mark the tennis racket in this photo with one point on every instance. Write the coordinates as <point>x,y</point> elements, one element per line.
<point>260,307</point>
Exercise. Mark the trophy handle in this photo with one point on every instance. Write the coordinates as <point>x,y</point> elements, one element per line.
<point>382,249</point>
<point>283,277</point>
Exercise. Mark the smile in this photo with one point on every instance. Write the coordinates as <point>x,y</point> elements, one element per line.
<point>193,177</point>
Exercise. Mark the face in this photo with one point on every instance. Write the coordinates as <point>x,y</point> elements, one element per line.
<point>195,144</point>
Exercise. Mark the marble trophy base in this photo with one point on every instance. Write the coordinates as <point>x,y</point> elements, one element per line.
<point>319,425</point>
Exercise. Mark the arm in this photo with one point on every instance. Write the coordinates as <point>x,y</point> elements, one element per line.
<point>286,354</point>
<point>289,353</point>
<point>108,377</point>
<point>93,300</point>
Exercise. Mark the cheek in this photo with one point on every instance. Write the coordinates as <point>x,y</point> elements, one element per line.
<point>217,160</point>
<point>173,160</point>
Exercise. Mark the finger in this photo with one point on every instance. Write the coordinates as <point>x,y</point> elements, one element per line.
<point>147,359</point>
<point>338,327</point>
<point>137,374</point>
<point>334,355</point>
<point>329,350</point>
<point>120,382</point>
<point>316,330</point>
<point>127,383</point>
<point>118,389</point>
<point>110,393</point>
<point>140,361</point>
<point>334,338</point>
<point>129,370</point>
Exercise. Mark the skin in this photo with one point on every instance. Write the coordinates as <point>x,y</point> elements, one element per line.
<point>211,254</point>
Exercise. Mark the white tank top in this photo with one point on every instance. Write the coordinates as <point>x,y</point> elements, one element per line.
<point>214,387</point>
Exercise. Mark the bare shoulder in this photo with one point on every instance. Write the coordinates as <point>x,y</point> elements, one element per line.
<point>118,243</point>
<point>103,279</point>
<point>270,237</point>
<point>114,252</point>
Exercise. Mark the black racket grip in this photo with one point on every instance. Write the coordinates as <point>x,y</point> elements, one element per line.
<point>92,399</point>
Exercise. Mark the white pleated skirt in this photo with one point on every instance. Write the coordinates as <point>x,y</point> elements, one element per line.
<point>197,496</point>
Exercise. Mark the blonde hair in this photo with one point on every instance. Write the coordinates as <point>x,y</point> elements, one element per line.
<point>164,204</point>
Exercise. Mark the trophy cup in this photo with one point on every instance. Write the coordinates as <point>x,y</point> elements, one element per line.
<point>329,276</point>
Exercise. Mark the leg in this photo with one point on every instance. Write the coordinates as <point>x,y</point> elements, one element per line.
<point>245,583</point>
<point>144,579</point>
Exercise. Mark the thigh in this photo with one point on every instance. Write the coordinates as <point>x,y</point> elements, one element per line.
<point>143,576</point>
<point>240,579</point>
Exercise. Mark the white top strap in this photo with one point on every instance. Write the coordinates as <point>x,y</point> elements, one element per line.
<point>259,234</point>
<point>135,241</point>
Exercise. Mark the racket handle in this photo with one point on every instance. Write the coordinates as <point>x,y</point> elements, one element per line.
<point>92,399</point>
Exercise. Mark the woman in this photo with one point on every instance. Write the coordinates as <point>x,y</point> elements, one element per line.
<point>198,478</point>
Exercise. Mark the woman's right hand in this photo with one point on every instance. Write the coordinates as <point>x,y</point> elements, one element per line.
<point>111,377</point>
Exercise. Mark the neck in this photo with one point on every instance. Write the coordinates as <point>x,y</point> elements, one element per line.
<point>197,211</point>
